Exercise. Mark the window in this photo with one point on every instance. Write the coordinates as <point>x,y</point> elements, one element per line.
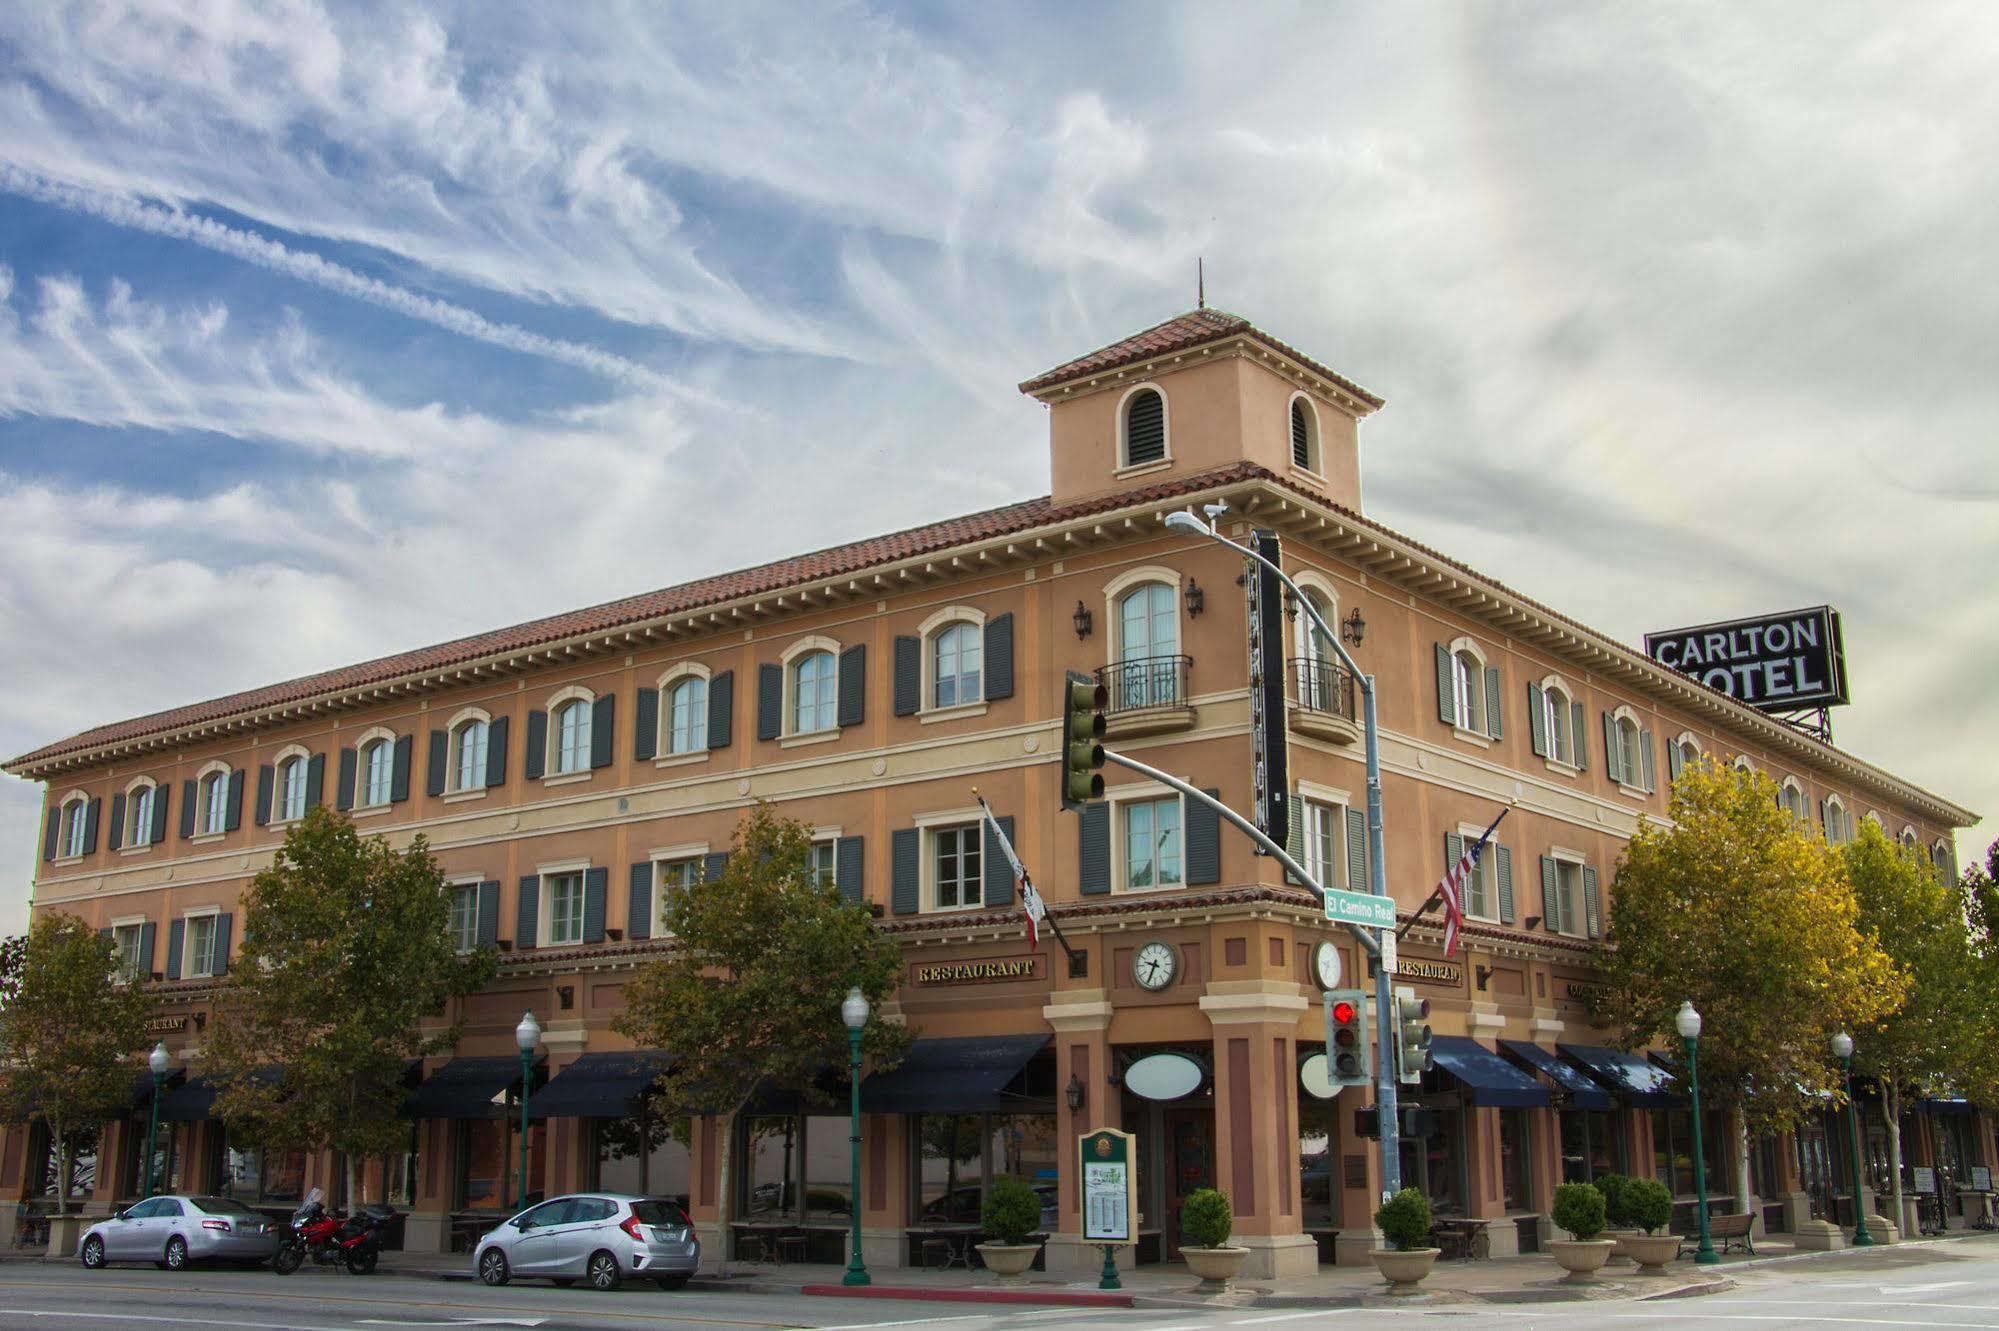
<point>1325,843</point>
<point>1144,427</point>
<point>1569,888</point>
<point>1683,753</point>
<point>1792,799</point>
<point>956,655</point>
<point>1557,717</point>
<point>1908,838</point>
<point>565,908</point>
<point>464,920</point>
<point>819,863</point>
<point>1481,893</point>
<point>214,803</point>
<point>814,693</point>
<point>291,789</point>
<point>139,816</point>
<point>1304,434</point>
<point>378,767</point>
<point>1629,747</point>
<point>1467,691</point>
<point>1152,843</point>
<point>672,876</point>
<point>1838,822</point>
<point>956,863</point>
<point>958,1156</point>
<point>647,1157</point>
<point>75,822</point>
<point>468,755</point>
<point>200,962</point>
<point>1944,859</point>
<point>1148,673</point>
<point>572,737</point>
<point>128,938</point>
<point>687,716</point>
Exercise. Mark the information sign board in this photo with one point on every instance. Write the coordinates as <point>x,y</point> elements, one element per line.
<point>1110,1186</point>
<point>1363,908</point>
<point>1981,1179</point>
<point>1925,1180</point>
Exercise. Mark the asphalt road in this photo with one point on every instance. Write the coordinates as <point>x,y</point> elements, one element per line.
<point>1945,1286</point>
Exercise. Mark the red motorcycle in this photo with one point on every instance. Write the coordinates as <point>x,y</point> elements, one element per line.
<point>354,1240</point>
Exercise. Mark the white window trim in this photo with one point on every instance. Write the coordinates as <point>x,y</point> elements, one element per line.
<point>670,679</point>
<point>1580,920</point>
<point>1874,816</point>
<point>134,844</point>
<point>1838,827</point>
<point>1909,837</point>
<point>1792,786</point>
<point>1475,685</point>
<point>1142,792</point>
<point>1626,712</point>
<point>1488,870</point>
<point>127,922</point>
<point>1315,450</point>
<point>1565,766</point>
<point>1338,800</point>
<point>927,712</point>
<point>696,852</point>
<point>214,767</point>
<point>552,740</point>
<point>278,761</point>
<point>188,917</point>
<point>817,642</point>
<point>453,792</point>
<point>1114,591</point>
<point>76,797</point>
<point>544,921</point>
<point>1124,466</point>
<point>451,885</point>
<point>361,743</point>
<point>927,876</point>
<point>1741,763</point>
<point>1313,581</point>
<point>1687,739</point>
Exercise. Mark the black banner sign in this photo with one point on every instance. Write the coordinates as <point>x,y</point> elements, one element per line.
<point>1779,663</point>
<point>1270,776</point>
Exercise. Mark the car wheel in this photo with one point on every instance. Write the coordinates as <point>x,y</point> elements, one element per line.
<point>672,1282</point>
<point>493,1267</point>
<point>604,1272</point>
<point>176,1253</point>
<point>93,1253</point>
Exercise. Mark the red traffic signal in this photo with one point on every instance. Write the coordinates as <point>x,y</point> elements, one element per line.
<point>1344,1013</point>
<point>1346,1038</point>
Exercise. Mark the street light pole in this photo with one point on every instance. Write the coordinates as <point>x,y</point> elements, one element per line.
<point>1385,1084</point>
<point>1842,1049</point>
<point>157,1062</point>
<point>526,1035</point>
<point>854,1012</point>
<point>1689,1024</point>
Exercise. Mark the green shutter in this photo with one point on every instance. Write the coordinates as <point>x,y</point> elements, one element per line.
<point>1504,862</point>
<point>848,862</point>
<point>905,868</point>
<point>995,868</point>
<point>1447,711</point>
<point>1093,849</point>
<point>638,907</point>
<point>1204,841</point>
<point>527,913</point>
<point>1577,715</point>
<point>596,893</point>
<point>908,675</point>
<point>1613,761</point>
<point>1492,701</point>
<point>645,726</point>
<point>999,657</point>
<point>1357,879</point>
<point>1454,846</point>
<point>1651,772</point>
<point>1592,906</point>
<point>1675,760</point>
<point>1294,840</point>
<point>1551,894</point>
<point>1537,720</point>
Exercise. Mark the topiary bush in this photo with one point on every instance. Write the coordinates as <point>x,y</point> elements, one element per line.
<point>1012,1211</point>
<point>1650,1204</point>
<point>1404,1220</point>
<point>1207,1218</point>
<point>1616,1199</point>
<point>1579,1209</point>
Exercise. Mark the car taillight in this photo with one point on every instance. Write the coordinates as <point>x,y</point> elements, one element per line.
<point>222,1225</point>
<point>630,1224</point>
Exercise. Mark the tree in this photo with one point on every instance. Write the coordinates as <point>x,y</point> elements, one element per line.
<point>1738,908</point>
<point>68,1030</point>
<point>749,996</point>
<point>1934,1042</point>
<point>346,959</point>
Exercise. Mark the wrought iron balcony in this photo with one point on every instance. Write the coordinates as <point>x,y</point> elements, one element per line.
<point>1145,682</point>
<point>1319,684</point>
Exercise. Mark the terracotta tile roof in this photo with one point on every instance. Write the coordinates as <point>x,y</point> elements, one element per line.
<point>834,562</point>
<point>1192,329</point>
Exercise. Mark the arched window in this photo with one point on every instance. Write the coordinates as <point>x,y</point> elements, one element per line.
<point>1945,861</point>
<point>215,803</point>
<point>1144,427</point>
<point>139,815</point>
<point>1469,697</point>
<point>1629,758</point>
<point>75,823</point>
<point>1148,647</point>
<point>1838,822</point>
<point>468,754</point>
<point>1908,838</point>
<point>1792,798</point>
<point>815,685</point>
<point>572,737</point>
<point>1318,669</point>
<point>687,716</point>
<point>1681,754</point>
<point>378,769</point>
<point>291,788</point>
<point>1558,717</point>
<point>1742,763</point>
<point>957,653</point>
<point>1304,433</point>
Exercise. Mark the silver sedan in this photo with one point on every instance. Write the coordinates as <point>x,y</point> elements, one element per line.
<point>603,1237</point>
<point>172,1231</point>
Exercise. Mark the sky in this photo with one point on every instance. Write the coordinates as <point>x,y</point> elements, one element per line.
<point>329,331</point>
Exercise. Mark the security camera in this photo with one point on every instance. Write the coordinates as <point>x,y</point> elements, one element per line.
<point>1214,510</point>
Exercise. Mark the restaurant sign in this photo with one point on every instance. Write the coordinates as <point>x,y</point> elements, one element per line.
<point>993,970</point>
<point>165,1025</point>
<point>1431,972</point>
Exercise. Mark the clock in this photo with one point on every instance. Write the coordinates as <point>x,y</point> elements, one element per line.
<point>1326,965</point>
<point>1155,965</point>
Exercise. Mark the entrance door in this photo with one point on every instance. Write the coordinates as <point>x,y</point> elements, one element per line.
<point>1190,1165</point>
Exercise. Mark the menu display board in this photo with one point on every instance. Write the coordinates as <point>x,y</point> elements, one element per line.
<point>1110,1186</point>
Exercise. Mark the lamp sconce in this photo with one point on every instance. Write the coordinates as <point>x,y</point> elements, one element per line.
<point>615,935</point>
<point>1482,973</point>
<point>1353,628</point>
<point>1290,605</point>
<point>200,1020</point>
<point>565,994</point>
<point>1197,600</point>
<point>1072,1094</point>
<point>1079,965</point>
<point>1083,620</point>
<point>1531,922</point>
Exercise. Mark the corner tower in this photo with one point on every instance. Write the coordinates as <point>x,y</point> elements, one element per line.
<point>1200,391</point>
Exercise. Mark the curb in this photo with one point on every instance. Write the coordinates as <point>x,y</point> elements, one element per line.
<point>1052,1298</point>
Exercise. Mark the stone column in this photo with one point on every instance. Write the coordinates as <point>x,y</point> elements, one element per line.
<point>884,1189</point>
<point>1256,1121</point>
<point>427,1228</point>
<point>1081,1019</point>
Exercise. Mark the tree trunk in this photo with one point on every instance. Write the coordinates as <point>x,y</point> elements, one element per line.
<point>726,1126</point>
<point>353,1196</point>
<point>1745,1194</point>
<point>1891,1108</point>
<point>60,1141</point>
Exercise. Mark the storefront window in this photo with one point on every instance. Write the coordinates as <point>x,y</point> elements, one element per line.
<point>1954,1149</point>
<point>769,1184</point>
<point>958,1156</point>
<point>1673,1150</point>
<point>489,1163</point>
<point>1592,1144</point>
<point>644,1155</point>
<point>251,1175</point>
<point>1436,1163</point>
<point>1514,1185</point>
<point>829,1167</point>
<point>82,1165</point>
<point>1318,1161</point>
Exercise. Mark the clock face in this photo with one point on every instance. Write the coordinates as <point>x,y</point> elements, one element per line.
<point>1155,965</point>
<point>1326,965</point>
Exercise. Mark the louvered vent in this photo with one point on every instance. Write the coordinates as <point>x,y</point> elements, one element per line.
<point>1145,428</point>
<point>1301,435</point>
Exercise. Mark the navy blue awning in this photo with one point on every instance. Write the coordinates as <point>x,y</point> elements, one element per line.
<point>1574,1084</point>
<point>193,1101</point>
<point>1488,1079</point>
<point>1635,1080</point>
<point>967,1075</point>
<point>469,1087</point>
<point>599,1085</point>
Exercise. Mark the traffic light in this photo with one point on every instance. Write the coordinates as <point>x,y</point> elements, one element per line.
<point>1347,1061</point>
<point>1418,1123</point>
<point>1412,1036</point>
<point>1367,1123</point>
<point>1083,703</point>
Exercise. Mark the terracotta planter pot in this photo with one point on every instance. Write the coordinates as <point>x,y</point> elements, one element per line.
<point>1581,1258</point>
<point>1008,1262</point>
<point>1651,1251</point>
<point>1404,1268</point>
<point>1216,1266</point>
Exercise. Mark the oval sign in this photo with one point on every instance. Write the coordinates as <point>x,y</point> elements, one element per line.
<point>1163,1076</point>
<point>1313,1075</point>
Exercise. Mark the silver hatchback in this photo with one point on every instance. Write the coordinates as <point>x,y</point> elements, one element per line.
<point>172,1231</point>
<point>602,1237</point>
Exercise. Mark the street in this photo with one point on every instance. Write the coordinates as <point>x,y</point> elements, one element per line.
<point>1933,1286</point>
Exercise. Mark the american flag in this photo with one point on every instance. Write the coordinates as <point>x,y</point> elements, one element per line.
<point>1031,904</point>
<point>1451,889</point>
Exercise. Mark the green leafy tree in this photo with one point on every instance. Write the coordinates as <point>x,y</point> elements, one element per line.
<point>749,995</point>
<point>346,966</point>
<point>1742,910</point>
<point>68,1033</point>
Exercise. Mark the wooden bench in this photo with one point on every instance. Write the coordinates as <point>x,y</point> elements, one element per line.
<point>1724,1231</point>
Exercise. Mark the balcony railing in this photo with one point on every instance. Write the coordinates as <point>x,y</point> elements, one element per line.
<point>1147,681</point>
<point>1322,685</point>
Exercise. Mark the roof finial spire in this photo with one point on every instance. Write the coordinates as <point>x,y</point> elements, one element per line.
<point>1201,282</point>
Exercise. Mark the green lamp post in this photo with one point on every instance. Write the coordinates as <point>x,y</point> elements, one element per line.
<point>854,1012</point>
<point>157,1061</point>
<point>1688,1023</point>
<point>1842,1049</point>
<point>527,1035</point>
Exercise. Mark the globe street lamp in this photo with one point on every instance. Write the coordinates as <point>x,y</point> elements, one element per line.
<point>1842,1049</point>
<point>157,1061</point>
<point>1688,1023</point>
<point>527,1035</point>
<point>854,1011</point>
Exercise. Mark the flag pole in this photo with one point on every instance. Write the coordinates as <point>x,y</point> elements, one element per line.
<point>1013,857</point>
<point>1437,893</point>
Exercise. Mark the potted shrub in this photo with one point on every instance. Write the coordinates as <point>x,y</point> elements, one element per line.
<point>1404,1221</point>
<point>1617,1222</point>
<point>1650,1207</point>
<point>1579,1210</point>
<point>1012,1211</point>
<point>1206,1221</point>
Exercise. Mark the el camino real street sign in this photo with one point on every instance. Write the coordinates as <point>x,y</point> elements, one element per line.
<point>1779,663</point>
<point>1362,908</point>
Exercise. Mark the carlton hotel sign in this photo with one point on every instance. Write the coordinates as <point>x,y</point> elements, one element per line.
<point>1778,663</point>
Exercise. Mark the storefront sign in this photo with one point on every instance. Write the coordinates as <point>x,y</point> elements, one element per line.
<point>1926,1179</point>
<point>1431,972</point>
<point>165,1025</point>
<point>1110,1185</point>
<point>1981,1179</point>
<point>975,972</point>
<point>1780,663</point>
<point>1164,1076</point>
<point>1583,991</point>
<point>1314,1076</point>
